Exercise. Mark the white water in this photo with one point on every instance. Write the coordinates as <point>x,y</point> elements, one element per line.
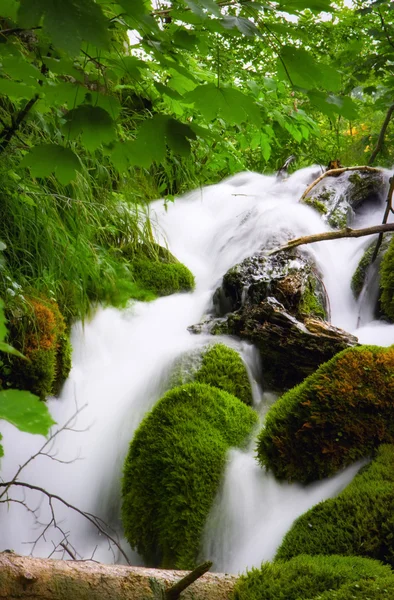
<point>121,361</point>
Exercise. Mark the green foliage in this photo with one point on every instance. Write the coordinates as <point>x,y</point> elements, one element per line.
<point>365,589</point>
<point>173,470</point>
<point>334,417</point>
<point>307,577</point>
<point>358,521</point>
<point>161,278</point>
<point>387,282</point>
<point>20,408</point>
<point>222,367</point>
<point>50,158</point>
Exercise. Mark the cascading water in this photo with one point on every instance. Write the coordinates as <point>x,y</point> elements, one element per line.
<point>121,362</point>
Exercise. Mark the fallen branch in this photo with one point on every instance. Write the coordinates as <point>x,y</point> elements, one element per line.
<point>174,591</point>
<point>8,132</point>
<point>334,235</point>
<point>338,172</point>
<point>32,578</point>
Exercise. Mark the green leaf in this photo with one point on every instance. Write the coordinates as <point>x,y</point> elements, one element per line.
<point>232,105</point>
<point>292,6</point>
<point>17,67</point>
<point>10,350</point>
<point>92,123</point>
<point>167,91</point>
<point>305,72</point>
<point>178,135</point>
<point>64,93</point>
<point>244,26</point>
<point>3,328</point>
<point>67,22</point>
<point>185,39</point>
<point>45,159</point>
<point>9,10</point>
<point>25,411</point>
<point>150,145</point>
<point>109,103</point>
<point>63,67</point>
<point>16,90</point>
<point>331,105</point>
<point>128,66</point>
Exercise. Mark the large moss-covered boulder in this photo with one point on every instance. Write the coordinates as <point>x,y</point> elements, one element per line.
<point>364,265</point>
<point>38,330</point>
<point>289,277</point>
<point>217,365</point>
<point>308,577</point>
<point>338,198</point>
<point>290,350</point>
<point>381,588</point>
<point>358,521</point>
<point>337,415</point>
<point>173,470</point>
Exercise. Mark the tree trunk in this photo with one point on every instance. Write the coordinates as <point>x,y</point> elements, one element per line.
<point>45,579</point>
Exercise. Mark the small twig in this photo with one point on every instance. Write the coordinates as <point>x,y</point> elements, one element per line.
<point>67,549</point>
<point>389,209</point>
<point>338,172</point>
<point>175,590</point>
<point>334,235</point>
<point>88,516</point>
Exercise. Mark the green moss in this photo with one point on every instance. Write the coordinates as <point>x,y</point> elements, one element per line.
<point>358,278</point>
<point>358,521</point>
<point>365,589</point>
<point>306,577</point>
<point>218,366</point>
<point>387,282</point>
<point>162,278</point>
<point>173,470</point>
<point>315,203</point>
<point>310,304</point>
<point>337,415</point>
<point>38,330</point>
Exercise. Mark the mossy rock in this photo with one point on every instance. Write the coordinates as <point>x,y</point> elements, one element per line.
<point>308,577</point>
<point>173,470</point>
<point>387,282</point>
<point>162,278</point>
<point>291,278</point>
<point>338,197</point>
<point>360,273</point>
<point>364,589</point>
<point>218,366</point>
<point>290,350</point>
<point>360,520</point>
<point>38,330</point>
<point>337,415</point>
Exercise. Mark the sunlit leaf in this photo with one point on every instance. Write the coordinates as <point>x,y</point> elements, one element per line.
<point>25,411</point>
<point>9,9</point>
<point>244,26</point>
<point>67,22</point>
<point>231,104</point>
<point>303,71</point>
<point>184,39</point>
<point>92,123</point>
<point>292,6</point>
<point>45,159</point>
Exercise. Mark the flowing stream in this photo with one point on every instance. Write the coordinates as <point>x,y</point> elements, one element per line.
<point>121,363</point>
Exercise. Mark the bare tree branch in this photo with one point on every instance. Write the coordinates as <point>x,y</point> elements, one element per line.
<point>338,172</point>
<point>379,143</point>
<point>93,519</point>
<point>334,235</point>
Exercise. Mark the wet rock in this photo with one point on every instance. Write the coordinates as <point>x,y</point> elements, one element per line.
<point>338,198</point>
<point>291,278</point>
<point>364,266</point>
<point>290,350</point>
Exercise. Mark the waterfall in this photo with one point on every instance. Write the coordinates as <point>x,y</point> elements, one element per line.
<point>122,359</point>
